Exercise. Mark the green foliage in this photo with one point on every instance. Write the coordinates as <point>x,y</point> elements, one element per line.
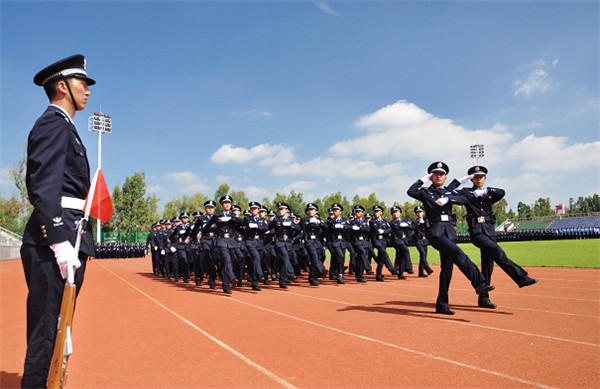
<point>132,210</point>
<point>11,216</point>
<point>186,203</point>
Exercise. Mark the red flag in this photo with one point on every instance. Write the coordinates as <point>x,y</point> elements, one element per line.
<point>101,207</point>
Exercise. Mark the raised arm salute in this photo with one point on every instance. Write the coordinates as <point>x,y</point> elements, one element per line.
<point>437,201</point>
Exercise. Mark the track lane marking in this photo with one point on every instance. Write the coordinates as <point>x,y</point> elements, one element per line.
<point>222,344</point>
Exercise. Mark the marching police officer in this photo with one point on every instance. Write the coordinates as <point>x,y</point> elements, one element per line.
<point>284,229</point>
<point>401,230</point>
<point>478,201</point>
<point>336,226</point>
<point>313,228</point>
<point>437,201</point>
<point>418,227</point>
<point>360,240</point>
<point>256,227</point>
<point>57,180</point>
<point>380,228</point>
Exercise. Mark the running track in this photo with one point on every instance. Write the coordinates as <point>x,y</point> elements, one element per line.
<point>134,330</point>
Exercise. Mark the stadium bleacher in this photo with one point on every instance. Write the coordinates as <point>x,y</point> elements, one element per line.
<point>532,225</point>
<point>584,222</point>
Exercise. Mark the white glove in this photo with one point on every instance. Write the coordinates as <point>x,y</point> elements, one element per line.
<point>162,252</point>
<point>315,220</point>
<point>66,259</point>
<point>442,201</point>
<point>338,226</point>
<point>181,232</point>
<point>173,249</point>
<point>155,248</point>
<point>426,178</point>
<point>252,225</point>
<point>466,179</point>
<point>404,224</point>
<point>480,192</point>
<point>225,218</point>
<point>380,231</point>
<point>287,224</point>
<point>187,240</point>
<point>355,228</point>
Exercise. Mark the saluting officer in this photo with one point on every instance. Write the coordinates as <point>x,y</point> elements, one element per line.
<point>57,180</point>
<point>380,228</point>
<point>284,229</point>
<point>437,201</point>
<point>481,220</point>
<point>401,230</point>
<point>313,228</point>
<point>419,230</point>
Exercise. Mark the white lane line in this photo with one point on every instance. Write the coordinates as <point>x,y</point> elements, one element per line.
<point>463,323</point>
<point>395,346</point>
<point>241,356</point>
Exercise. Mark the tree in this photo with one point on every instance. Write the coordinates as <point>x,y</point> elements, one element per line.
<point>189,204</point>
<point>10,215</point>
<point>523,210</point>
<point>132,210</point>
<point>221,191</point>
<point>542,208</point>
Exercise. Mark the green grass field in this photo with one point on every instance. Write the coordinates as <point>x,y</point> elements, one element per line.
<point>583,253</point>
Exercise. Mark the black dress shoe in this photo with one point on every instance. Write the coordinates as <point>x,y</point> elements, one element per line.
<point>227,291</point>
<point>401,276</point>
<point>240,284</point>
<point>340,280</point>
<point>361,280</point>
<point>186,281</point>
<point>423,275</point>
<point>379,278</point>
<point>370,272</point>
<point>527,281</point>
<point>486,303</point>
<point>483,288</point>
<point>351,272</point>
<point>256,287</point>
<point>313,283</point>
<point>444,311</point>
<point>198,283</point>
<point>213,285</point>
<point>283,286</point>
<point>266,282</point>
<point>429,271</point>
<point>411,272</point>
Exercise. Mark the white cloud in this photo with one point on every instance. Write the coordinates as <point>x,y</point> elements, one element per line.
<point>552,153</point>
<point>537,81</point>
<point>332,168</point>
<point>260,113</point>
<point>256,192</point>
<point>187,182</point>
<point>299,186</point>
<point>266,154</point>
<point>327,9</point>
<point>402,131</point>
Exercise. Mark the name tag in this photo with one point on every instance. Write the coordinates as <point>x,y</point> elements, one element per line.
<point>313,237</point>
<point>256,237</point>
<point>403,236</point>
<point>211,234</point>
<point>360,238</point>
<point>481,219</point>
<point>225,235</point>
<point>339,237</point>
<point>239,238</point>
<point>444,218</point>
<point>379,236</point>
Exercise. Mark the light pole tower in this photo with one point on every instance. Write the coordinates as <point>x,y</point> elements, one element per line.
<point>100,123</point>
<point>477,152</point>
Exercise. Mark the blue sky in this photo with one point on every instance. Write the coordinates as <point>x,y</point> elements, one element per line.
<point>318,97</point>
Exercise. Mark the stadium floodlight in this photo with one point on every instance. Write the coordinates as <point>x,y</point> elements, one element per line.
<point>102,124</point>
<point>477,151</point>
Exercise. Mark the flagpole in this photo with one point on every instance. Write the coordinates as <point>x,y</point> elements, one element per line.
<point>100,123</point>
<point>98,231</point>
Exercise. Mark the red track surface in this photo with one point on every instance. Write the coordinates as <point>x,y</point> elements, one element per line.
<point>134,330</point>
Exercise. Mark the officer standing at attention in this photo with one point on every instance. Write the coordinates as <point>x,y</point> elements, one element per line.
<point>418,226</point>
<point>57,180</point>
<point>442,235</point>
<point>478,201</point>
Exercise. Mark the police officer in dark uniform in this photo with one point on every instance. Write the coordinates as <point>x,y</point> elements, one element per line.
<point>380,228</point>
<point>360,240</point>
<point>313,228</point>
<point>208,241</point>
<point>256,227</point>
<point>225,222</point>
<point>178,237</point>
<point>419,230</point>
<point>57,180</point>
<point>401,230</point>
<point>164,266</point>
<point>284,229</point>
<point>478,201</point>
<point>437,201</point>
<point>336,226</point>
<point>194,249</point>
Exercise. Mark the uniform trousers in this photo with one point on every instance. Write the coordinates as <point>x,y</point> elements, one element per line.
<point>382,259</point>
<point>451,254</point>
<point>338,257</point>
<point>43,306</point>
<point>402,260</point>
<point>423,264</point>
<point>315,266</point>
<point>285,267</point>
<point>490,253</point>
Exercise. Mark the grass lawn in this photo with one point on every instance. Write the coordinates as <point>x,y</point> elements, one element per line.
<point>583,253</point>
